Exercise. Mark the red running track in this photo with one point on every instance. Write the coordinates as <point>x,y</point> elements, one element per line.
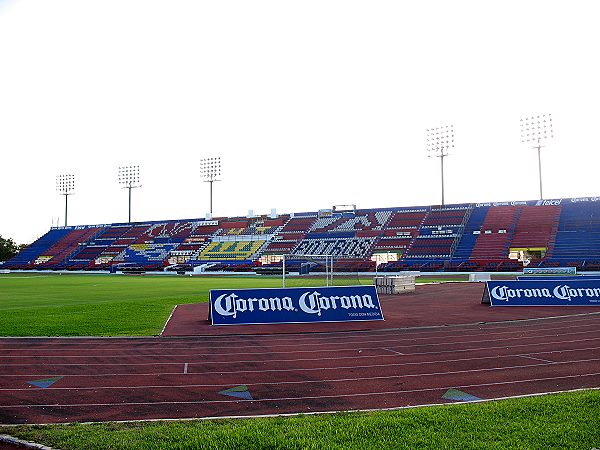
<point>439,339</point>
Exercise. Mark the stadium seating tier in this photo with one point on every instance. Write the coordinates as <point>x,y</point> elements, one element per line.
<point>466,237</point>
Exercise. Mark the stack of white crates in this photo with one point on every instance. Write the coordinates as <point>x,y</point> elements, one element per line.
<point>402,284</point>
<point>479,277</point>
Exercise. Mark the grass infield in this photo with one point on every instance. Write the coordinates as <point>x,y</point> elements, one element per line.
<point>116,305</point>
<point>111,305</point>
<point>560,421</point>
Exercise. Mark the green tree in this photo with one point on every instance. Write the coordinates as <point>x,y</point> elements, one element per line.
<point>8,248</point>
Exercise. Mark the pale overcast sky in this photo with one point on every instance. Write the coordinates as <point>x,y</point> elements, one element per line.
<point>308,103</point>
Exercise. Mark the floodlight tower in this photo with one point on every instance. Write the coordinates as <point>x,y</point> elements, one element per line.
<point>65,185</point>
<point>129,176</point>
<point>210,169</point>
<point>534,129</point>
<point>439,141</point>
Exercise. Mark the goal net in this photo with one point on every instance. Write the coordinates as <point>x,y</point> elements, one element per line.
<point>303,270</point>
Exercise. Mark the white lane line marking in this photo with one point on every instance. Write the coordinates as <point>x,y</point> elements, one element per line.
<point>235,361</point>
<point>311,397</point>
<point>536,359</point>
<point>331,346</point>
<point>367,357</point>
<point>265,338</point>
<point>330,380</point>
<point>393,351</point>
<point>168,319</point>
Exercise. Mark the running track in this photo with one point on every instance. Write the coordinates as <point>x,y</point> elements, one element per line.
<point>101,379</point>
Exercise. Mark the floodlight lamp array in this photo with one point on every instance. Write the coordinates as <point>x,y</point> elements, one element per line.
<point>65,184</point>
<point>536,128</point>
<point>129,175</point>
<point>210,168</point>
<point>440,140</point>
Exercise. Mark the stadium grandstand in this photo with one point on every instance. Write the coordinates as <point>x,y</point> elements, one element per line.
<point>491,237</point>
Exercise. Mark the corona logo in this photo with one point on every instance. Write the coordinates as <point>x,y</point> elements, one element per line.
<point>314,303</point>
<point>230,305</point>
<point>567,293</point>
<point>504,293</point>
<point>294,305</point>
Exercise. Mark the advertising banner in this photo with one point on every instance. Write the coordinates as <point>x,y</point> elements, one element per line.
<point>550,271</point>
<point>557,277</point>
<point>294,305</point>
<point>542,293</point>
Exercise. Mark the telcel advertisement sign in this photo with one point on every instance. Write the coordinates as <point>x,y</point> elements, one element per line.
<point>294,305</point>
<point>542,293</point>
<point>550,271</point>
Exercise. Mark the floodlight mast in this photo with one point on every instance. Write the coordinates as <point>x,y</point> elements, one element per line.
<point>129,176</point>
<point>534,129</point>
<point>65,184</point>
<point>439,141</point>
<point>210,169</point>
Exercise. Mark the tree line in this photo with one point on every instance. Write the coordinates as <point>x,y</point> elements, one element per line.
<point>8,248</point>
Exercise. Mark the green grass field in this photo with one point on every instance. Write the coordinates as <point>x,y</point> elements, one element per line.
<point>561,421</point>
<point>117,305</point>
<point>99,305</point>
<point>110,305</point>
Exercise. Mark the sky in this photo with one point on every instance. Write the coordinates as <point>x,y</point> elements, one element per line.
<point>309,104</point>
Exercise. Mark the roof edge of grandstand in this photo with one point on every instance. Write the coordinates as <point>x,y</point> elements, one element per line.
<point>463,237</point>
<point>422,208</point>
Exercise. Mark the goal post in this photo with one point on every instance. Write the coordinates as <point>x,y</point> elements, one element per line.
<point>307,265</point>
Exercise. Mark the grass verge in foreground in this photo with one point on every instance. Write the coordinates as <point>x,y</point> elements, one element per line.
<point>568,420</point>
